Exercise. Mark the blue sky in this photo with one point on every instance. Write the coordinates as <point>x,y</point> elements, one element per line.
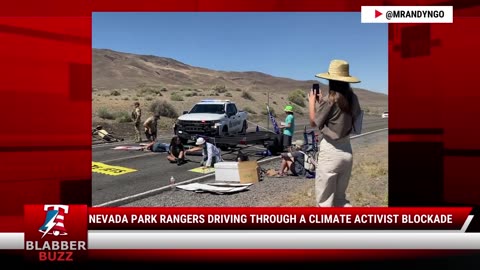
<point>295,45</point>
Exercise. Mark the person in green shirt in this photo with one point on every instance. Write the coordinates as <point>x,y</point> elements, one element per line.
<point>288,127</point>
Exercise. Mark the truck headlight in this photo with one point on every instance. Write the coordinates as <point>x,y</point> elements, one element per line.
<point>216,124</point>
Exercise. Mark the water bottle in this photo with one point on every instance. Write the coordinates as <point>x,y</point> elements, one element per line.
<point>172,183</point>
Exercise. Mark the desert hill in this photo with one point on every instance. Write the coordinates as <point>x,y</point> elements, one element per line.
<point>119,79</point>
<point>113,69</point>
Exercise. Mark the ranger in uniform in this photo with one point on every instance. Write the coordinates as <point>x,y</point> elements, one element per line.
<point>150,126</point>
<point>137,121</point>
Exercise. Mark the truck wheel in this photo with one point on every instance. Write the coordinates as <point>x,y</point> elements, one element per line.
<point>225,131</point>
<point>244,128</point>
<point>275,147</point>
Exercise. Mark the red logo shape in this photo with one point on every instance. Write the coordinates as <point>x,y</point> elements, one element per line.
<point>55,214</point>
<point>377,13</point>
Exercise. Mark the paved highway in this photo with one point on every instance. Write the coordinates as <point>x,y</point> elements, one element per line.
<point>153,171</point>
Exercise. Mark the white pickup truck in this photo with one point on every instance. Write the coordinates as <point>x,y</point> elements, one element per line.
<point>212,118</point>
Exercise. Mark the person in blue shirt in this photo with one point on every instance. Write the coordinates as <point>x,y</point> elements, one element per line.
<point>288,127</point>
<point>157,146</point>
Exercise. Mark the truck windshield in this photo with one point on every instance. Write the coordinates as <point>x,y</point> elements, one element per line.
<point>208,108</point>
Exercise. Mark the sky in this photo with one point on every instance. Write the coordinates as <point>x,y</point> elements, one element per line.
<point>294,45</point>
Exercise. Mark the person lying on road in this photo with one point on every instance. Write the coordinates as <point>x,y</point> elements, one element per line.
<point>104,135</point>
<point>157,146</point>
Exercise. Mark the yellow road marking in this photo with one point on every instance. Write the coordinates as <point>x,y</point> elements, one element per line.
<point>202,170</point>
<point>103,168</point>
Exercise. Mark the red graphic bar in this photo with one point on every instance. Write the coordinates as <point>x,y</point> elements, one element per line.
<point>226,5</point>
<point>262,255</point>
<point>278,218</point>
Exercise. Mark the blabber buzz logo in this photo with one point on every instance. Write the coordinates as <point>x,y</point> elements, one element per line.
<point>54,220</point>
<point>56,233</point>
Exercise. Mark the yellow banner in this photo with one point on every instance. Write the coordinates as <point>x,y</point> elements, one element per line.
<point>99,167</point>
<point>202,170</point>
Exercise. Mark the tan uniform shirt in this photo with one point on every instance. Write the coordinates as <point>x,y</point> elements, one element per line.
<point>332,121</point>
<point>137,115</point>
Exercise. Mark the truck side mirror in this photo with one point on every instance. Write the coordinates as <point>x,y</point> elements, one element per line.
<point>185,112</point>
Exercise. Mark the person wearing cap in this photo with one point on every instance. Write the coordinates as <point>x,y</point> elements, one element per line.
<point>288,127</point>
<point>210,153</point>
<point>137,118</point>
<point>334,115</point>
<point>293,161</point>
<point>150,126</point>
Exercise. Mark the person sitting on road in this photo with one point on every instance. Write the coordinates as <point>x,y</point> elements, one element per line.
<point>211,154</point>
<point>293,161</point>
<point>104,135</point>
<point>157,147</point>
<point>176,151</point>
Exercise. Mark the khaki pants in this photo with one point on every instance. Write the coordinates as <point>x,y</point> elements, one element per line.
<point>138,137</point>
<point>333,172</point>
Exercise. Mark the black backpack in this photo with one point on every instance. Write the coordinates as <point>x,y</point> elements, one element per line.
<point>241,156</point>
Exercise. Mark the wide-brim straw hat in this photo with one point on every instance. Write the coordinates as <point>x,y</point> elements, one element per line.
<point>339,70</point>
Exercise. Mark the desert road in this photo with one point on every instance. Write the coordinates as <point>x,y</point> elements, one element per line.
<point>141,174</point>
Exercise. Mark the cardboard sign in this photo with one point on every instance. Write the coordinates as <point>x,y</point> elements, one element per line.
<point>134,148</point>
<point>249,171</point>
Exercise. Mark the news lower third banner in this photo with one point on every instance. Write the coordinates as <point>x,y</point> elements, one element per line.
<point>72,232</point>
<point>407,14</point>
<point>291,218</point>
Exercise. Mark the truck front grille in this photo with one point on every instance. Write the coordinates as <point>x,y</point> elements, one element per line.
<point>196,126</point>
<point>195,123</point>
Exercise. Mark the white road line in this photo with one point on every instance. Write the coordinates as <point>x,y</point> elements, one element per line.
<point>102,145</point>
<point>368,133</point>
<point>153,191</point>
<point>264,128</point>
<point>353,137</point>
<point>145,194</point>
<point>106,144</point>
<point>130,157</point>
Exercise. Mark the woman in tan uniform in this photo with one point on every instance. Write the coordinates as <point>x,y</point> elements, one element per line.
<point>137,118</point>
<point>334,115</point>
